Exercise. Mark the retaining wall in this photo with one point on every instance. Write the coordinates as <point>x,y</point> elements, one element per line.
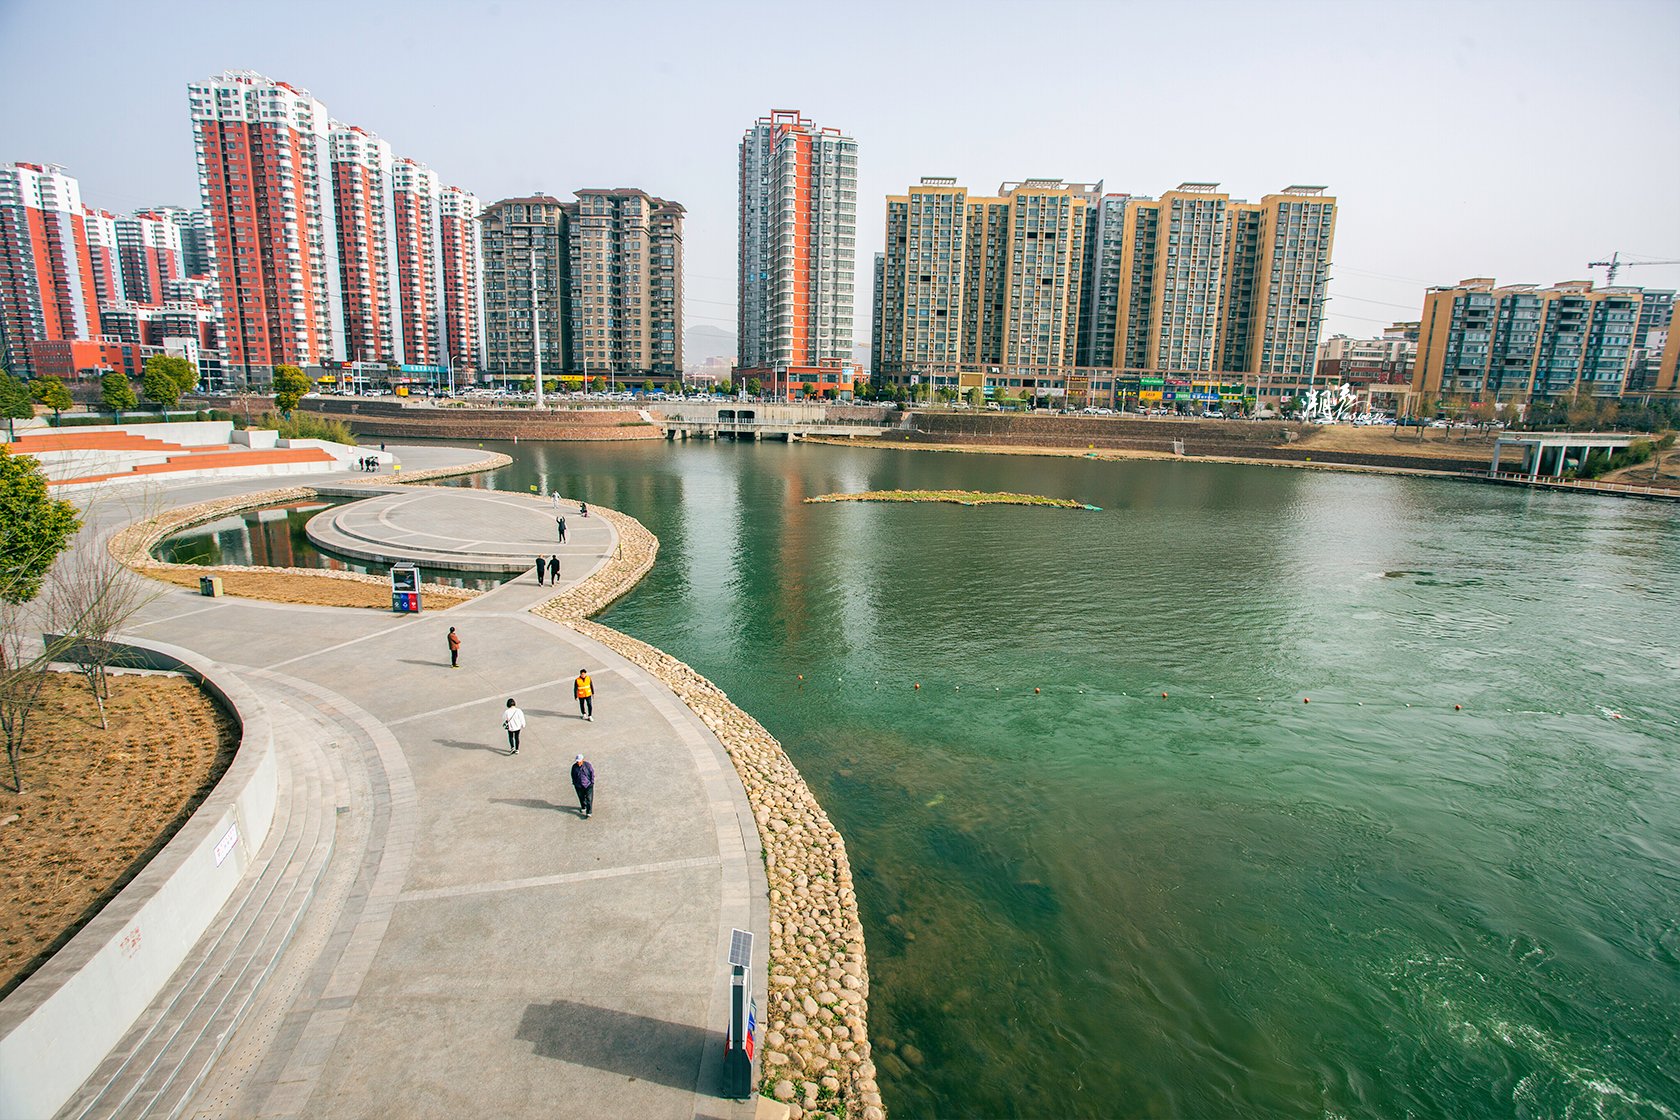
<point>1229,439</point>
<point>58,1025</point>
<point>391,420</point>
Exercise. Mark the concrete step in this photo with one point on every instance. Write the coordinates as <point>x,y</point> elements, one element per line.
<point>162,1059</point>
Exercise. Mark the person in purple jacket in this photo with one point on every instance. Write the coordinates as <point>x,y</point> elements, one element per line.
<point>583,780</point>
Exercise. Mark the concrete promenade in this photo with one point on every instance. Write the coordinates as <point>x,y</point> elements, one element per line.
<point>474,946</point>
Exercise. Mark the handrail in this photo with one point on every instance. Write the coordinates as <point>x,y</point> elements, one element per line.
<point>1574,483</point>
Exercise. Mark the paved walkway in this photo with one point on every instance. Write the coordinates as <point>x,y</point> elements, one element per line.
<point>462,529</point>
<point>476,947</point>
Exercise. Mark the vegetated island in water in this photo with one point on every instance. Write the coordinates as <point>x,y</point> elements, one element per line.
<point>956,497</point>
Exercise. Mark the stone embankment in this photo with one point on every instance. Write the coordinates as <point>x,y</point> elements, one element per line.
<point>397,421</point>
<point>816,1041</point>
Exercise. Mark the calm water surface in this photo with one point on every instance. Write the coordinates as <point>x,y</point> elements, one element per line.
<point>1084,898</point>
<point>277,537</point>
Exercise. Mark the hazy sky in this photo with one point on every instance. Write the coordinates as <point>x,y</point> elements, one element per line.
<point>1513,140</point>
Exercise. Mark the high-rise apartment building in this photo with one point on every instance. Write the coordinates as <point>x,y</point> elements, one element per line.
<point>414,190</point>
<point>1062,283</point>
<point>1667,381</point>
<point>459,253</point>
<point>361,190</point>
<point>1207,283</point>
<point>104,254</point>
<point>327,246</point>
<point>525,266</point>
<point>263,171</point>
<point>983,289</point>
<point>1481,341</point>
<point>798,252</point>
<point>624,315</point>
<point>195,242</point>
<point>48,291</point>
<point>149,247</point>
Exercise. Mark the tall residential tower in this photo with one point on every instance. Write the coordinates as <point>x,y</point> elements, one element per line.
<point>48,290</point>
<point>798,255</point>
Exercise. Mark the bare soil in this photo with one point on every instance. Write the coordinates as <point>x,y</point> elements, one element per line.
<point>294,587</point>
<point>1439,443</point>
<point>97,804</point>
<point>1667,472</point>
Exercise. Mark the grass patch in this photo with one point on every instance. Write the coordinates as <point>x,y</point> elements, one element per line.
<point>955,497</point>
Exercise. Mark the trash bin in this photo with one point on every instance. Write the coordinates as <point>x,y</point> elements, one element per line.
<point>211,586</point>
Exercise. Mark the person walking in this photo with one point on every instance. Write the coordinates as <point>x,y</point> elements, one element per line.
<point>541,564</point>
<point>454,649</point>
<point>514,720</point>
<point>561,521</point>
<point>554,570</point>
<point>584,689</point>
<point>583,781</point>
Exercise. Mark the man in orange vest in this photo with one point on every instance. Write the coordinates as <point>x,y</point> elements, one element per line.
<point>584,689</point>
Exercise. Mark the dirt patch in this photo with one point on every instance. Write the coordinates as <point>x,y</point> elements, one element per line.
<point>97,804</point>
<point>1667,471</point>
<point>310,590</point>
<point>1438,443</point>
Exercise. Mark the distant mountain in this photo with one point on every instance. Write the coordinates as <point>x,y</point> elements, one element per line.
<point>700,343</point>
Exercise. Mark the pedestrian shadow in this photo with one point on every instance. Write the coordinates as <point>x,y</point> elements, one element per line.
<point>417,661</point>
<point>463,745</point>
<point>634,1046</point>
<point>555,715</point>
<point>534,803</point>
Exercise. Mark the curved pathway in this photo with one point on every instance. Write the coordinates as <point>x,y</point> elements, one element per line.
<point>476,947</point>
<point>461,529</point>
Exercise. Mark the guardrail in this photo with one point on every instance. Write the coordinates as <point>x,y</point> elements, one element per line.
<point>1668,493</point>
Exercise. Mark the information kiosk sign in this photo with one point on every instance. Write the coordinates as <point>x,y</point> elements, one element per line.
<point>743,1019</point>
<point>405,588</point>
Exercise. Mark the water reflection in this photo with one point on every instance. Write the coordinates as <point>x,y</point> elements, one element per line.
<point>276,537</point>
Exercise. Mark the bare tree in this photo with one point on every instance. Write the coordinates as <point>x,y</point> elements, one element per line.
<point>90,599</point>
<point>23,673</point>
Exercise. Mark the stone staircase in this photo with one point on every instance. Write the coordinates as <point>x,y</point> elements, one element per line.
<point>158,1065</point>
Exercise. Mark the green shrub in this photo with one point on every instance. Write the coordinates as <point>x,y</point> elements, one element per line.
<point>307,425</point>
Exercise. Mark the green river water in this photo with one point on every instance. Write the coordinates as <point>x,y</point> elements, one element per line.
<point>1084,898</point>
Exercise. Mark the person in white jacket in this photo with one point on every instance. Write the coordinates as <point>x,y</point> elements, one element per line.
<point>514,720</point>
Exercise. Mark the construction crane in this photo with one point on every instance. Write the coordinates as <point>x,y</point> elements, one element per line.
<point>1616,262</point>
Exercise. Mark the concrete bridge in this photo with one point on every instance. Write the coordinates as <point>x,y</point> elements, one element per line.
<point>753,420</point>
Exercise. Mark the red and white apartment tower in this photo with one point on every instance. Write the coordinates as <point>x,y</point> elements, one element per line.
<point>48,291</point>
<point>458,248</point>
<point>262,151</point>
<point>361,174</point>
<point>414,221</point>
<point>149,247</point>
<point>106,256</point>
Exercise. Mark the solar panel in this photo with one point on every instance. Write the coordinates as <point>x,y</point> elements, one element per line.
<point>740,948</point>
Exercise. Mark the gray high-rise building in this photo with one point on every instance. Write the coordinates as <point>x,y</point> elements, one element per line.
<point>525,277</point>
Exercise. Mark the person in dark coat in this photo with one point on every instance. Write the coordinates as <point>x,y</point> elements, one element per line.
<point>554,570</point>
<point>454,649</point>
<point>541,564</point>
<point>583,781</point>
<point>561,522</point>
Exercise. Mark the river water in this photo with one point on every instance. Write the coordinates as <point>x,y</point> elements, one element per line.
<point>1087,898</point>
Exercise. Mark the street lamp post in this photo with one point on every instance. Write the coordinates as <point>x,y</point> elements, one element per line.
<point>536,332</point>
